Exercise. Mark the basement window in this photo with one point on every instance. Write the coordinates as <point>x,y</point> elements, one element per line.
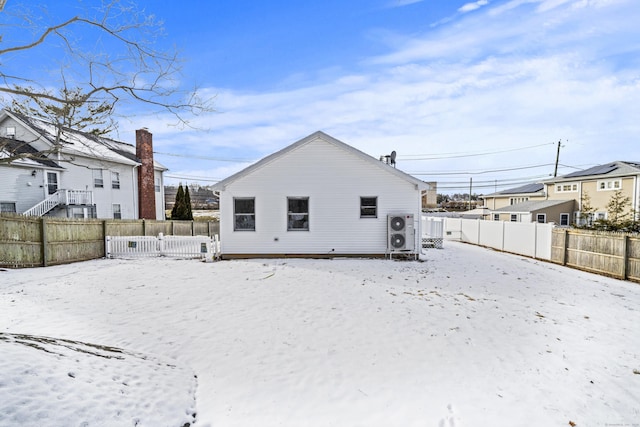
<point>8,207</point>
<point>117,211</point>
<point>297,214</point>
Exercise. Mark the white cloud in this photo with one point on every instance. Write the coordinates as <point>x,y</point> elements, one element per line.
<point>468,7</point>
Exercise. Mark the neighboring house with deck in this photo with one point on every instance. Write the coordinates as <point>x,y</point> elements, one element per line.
<point>319,197</point>
<point>81,176</point>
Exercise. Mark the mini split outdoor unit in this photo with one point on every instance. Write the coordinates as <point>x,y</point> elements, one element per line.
<point>400,234</point>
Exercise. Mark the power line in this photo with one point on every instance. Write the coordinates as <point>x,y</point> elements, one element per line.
<point>482,171</point>
<point>467,154</point>
<point>217,159</point>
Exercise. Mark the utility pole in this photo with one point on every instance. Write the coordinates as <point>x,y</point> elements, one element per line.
<point>470,186</point>
<point>555,172</point>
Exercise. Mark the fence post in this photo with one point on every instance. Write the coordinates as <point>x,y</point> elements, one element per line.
<point>144,227</point>
<point>625,257</point>
<point>565,246</point>
<point>107,247</point>
<point>45,249</point>
<point>161,243</point>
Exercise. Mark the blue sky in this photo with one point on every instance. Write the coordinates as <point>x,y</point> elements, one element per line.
<point>459,89</point>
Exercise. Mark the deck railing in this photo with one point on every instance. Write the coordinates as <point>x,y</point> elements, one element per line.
<point>61,197</point>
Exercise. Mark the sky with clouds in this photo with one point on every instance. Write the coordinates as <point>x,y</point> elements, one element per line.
<point>461,90</point>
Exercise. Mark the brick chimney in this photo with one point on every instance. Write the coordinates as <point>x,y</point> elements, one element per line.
<point>146,178</point>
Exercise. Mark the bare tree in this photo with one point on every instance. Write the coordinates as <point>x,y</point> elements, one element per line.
<point>104,57</point>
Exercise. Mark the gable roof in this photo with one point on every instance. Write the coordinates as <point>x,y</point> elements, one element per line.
<point>534,187</point>
<point>531,206</point>
<point>616,168</point>
<point>31,155</point>
<point>331,140</point>
<point>74,142</point>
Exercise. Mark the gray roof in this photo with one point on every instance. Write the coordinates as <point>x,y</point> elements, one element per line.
<point>76,142</point>
<point>531,206</point>
<point>327,138</point>
<point>616,168</point>
<point>530,188</point>
<point>26,151</point>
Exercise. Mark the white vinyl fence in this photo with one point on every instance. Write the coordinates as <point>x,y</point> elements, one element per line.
<point>525,238</point>
<point>207,248</point>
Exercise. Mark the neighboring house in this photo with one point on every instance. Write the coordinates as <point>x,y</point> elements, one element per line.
<point>556,211</point>
<point>83,176</point>
<point>561,199</point>
<point>523,193</point>
<point>316,197</point>
<point>598,183</point>
<point>430,196</point>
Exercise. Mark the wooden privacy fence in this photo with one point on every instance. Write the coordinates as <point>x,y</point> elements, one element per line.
<point>34,242</point>
<point>612,254</point>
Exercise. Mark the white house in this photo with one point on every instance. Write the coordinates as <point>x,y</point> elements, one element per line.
<point>81,176</point>
<point>318,197</point>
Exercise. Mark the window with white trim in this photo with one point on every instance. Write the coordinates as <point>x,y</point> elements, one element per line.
<point>98,182</point>
<point>514,217</point>
<point>157,185</point>
<point>541,218</point>
<point>610,185</point>
<point>115,180</point>
<point>368,207</point>
<point>496,217</point>
<point>297,214</point>
<point>8,207</point>
<point>516,200</point>
<point>564,219</point>
<point>566,188</point>
<point>117,211</point>
<point>244,214</point>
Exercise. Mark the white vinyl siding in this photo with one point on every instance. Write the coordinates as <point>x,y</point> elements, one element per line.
<point>333,179</point>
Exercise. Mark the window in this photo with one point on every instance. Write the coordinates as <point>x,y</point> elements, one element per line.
<point>368,207</point>
<point>117,213</point>
<point>52,182</point>
<point>515,200</point>
<point>8,207</point>
<point>514,218</point>
<point>611,184</point>
<point>541,218</point>
<point>298,213</point>
<point>115,179</point>
<point>97,178</point>
<point>566,188</point>
<point>496,217</point>
<point>157,185</point>
<point>244,213</point>
<point>564,219</point>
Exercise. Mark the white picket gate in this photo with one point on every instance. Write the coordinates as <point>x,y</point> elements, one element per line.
<point>207,248</point>
<point>432,232</point>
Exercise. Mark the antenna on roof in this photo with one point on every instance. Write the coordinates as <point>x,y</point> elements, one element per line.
<point>389,159</point>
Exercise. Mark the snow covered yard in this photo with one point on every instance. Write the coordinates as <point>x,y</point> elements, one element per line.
<point>469,337</point>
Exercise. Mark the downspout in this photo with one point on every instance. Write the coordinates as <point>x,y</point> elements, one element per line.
<point>134,193</point>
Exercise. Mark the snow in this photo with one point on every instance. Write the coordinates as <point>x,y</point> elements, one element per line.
<point>468,337</point>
